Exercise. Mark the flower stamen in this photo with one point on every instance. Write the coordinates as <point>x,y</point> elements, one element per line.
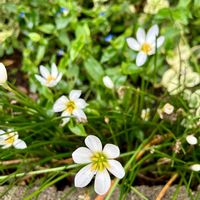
<point>99,162</point>
<point>70,106</point>
<point>146,48</point>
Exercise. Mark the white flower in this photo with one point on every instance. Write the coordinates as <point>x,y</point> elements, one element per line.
<point>108,82</point>
<point>49,79</point>
<point>145,114</point>
<point>11,139</point>
<point>195,167</point>
<point>99,161</point>
<point>191,139</point>
<point>3,74</point>
<point>71,107</point>
<point>146,44</point>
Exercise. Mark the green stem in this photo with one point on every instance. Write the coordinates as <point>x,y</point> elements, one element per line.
<point>43,171</point>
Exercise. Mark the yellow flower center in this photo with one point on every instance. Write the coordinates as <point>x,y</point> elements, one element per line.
<point>146,48</point>
<point>50,78</point>
<point>70,106</point>
<point>99,161</point>
<point>10,139</point>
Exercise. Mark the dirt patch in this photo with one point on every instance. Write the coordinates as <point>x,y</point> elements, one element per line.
<point>20,192</point>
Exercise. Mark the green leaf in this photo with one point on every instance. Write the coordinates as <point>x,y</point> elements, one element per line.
<point>78,129</point>
<point>35,37</point>
<point>47,28</point>
<point>61,22</point>
<point>108,54</point>
<point>94,69</point>
<point>131,68</point>
<point>40,54</point>
<point>76,47</point>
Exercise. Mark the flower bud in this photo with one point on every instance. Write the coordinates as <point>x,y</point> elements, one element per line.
<point>108,82</point>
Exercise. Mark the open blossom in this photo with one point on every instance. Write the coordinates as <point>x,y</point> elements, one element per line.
<point>99,161</point>
<point>191,139</point>
<point>146,44</point>
<point>107,81</point>
<point>49,78</point>
<point>3,74</point>
<point>11,139</point>
<point>72,106</point>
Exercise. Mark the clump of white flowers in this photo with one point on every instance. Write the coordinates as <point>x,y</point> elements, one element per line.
<point>49,78</point>
<point>146,44</point>
<point>11,138</point>
<point>99,162</point>
<point>71,107</point>
<point>153,6</point>
<point>145,114</point>
<point>3,74</point>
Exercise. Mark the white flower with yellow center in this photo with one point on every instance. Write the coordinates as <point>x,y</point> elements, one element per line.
<point>71,107</point>
<point>49,79</point>
<point>11,139</point>
<point>99,161</point>
<point>3,74</point>
<point>146,44</point>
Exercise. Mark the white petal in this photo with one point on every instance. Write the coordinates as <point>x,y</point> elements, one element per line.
<point>152,33</point>
<point>58,77</point>
<point>60,104</point>
<point>111,151</point>
<point>107,81</point>
<point>19,144</point>
<point>160,41</point>
<point>116,168</point>
<point>140,35</point>
<point>66,118</point>
<point>54,70</point>
<point>133,44</point>
<point>44,71</point>
<point>93,143</point>
<point>82,155</point>
<point>80,115</point>
<point>80,103</point>
<point>3,74</point>
<point>102,182</point>
<point>3,135</point>
<point>141,59</point>
<point>84,176</point>
<point>6,146</point>
<point>40,79</point>
<point>74,94</point>
<point>195,167</point>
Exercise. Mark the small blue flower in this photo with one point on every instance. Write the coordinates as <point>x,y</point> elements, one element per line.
<point>60,52</point>
<point>102,14</point>
<point>109,37</point>
<point>64,10</point>
<point>21,14</point>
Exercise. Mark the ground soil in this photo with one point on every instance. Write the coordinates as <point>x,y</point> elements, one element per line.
<point>20,192</point>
